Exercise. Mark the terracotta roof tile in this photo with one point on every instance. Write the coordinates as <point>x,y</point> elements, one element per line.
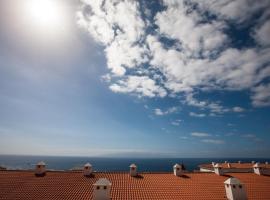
<point>73,185</point>
<point>234,165</point>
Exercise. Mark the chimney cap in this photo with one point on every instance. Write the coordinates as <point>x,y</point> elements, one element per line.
<point>102,182</point>
<point>233,181</point>
<point>41,163</point>
<point>133,165</point>
<point>217,165</point>
<point>256,165</point>
<point>176,165</point>
<point>88,165</point>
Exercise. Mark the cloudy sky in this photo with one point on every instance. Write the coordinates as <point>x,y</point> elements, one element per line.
<point>166,78</point>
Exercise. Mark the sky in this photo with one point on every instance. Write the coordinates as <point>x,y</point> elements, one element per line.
<point>146,78</point>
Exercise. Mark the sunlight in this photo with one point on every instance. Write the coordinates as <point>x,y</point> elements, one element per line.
<point>45,14</point>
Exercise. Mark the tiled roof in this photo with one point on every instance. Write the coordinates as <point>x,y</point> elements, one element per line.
<point>234,165</point>
<point>155,186</point>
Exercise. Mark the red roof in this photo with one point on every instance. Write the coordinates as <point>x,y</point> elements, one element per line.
<point>234,165</point>
<point>73,185</point>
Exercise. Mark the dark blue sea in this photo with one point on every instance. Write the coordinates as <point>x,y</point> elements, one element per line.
<point>112,164</point>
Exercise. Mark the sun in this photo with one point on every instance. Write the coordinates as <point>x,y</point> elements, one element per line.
<point>46,14</point>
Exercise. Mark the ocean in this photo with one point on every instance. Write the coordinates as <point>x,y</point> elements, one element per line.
<point>112,164</point>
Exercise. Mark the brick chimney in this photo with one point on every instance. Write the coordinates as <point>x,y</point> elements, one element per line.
<point>87,169</point>
<point>40,169</point>
<point>235,190</point>
<point>102,189</point>
<point>177,170</point>
<point>218,170</point>
<point>258,169</point>
<point>133,170</point>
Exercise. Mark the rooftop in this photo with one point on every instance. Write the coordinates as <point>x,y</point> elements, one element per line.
<point>17,184</point>
<point>234,165</point>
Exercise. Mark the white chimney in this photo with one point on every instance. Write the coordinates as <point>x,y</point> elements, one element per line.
<point>266,163</point>
<point>235,190</point>
<point>253,162</point>
<point>239,161</point>
<point>87,169</point>
<point>40,169</point>
<point>218,170</point>
<point>102,189</point>
<point>133,170</point>
<point>177,170</point>
<point>258,169</point>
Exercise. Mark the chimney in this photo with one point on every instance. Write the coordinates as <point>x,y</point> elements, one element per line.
<point>218,170</point>
<point>87,169</point>
<point>235,190</point>
<point>258,169</point>
<point>253,162</point>
<point>213,164</point>
<point>266,163</point>
<point>225,161</point>
<point>133,170</point>
<point>40,169</point>
<point>177,170</point>
<point>229,165</point>
<point>239,162</point>
<point>102,189</point>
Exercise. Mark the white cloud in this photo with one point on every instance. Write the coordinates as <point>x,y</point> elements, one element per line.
<point>238,109</point>
<point>193,114</point>
<point>213,141</point>
<point>200,134</point>
<point>262,34</point>
<point>238,10</point>
<point>176,122</point>
<point>214,107</point>
<point>158,112</point>
<point>201,58</point>
<point>105,22</point>
<point>190,100</point>
<point>230,124</point>
<point>140,85</point>
<point>121,54</point>
<point>229,134</point>
<point>193,35</point>
<point>165,112</point>
<point>261,95</point>
<point>249,136</point>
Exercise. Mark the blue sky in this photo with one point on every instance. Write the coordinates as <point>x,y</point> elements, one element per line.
<point>135,78</point>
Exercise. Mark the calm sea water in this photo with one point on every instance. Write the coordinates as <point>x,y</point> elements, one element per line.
<point>112,164</point>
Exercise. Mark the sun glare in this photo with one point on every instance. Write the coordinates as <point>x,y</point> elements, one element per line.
<point>46,14</point>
